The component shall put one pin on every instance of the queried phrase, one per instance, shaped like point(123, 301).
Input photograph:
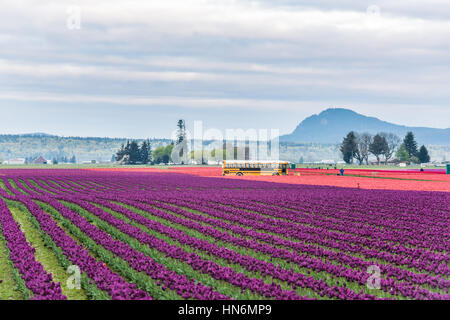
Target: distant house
point(17, 161)
point(40, 160)
point(89, 162)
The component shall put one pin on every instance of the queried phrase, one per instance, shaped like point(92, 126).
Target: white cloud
point(243, 54)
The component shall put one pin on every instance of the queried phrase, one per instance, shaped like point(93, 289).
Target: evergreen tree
point(134, 152)
point(423, 155)
point(378, 146)
point(121, 153)
point(127, 148)
point(73, 159)
point(349, 147)
point(145, 152)
point(410, 144)
point(166, 158)
point(402, 154)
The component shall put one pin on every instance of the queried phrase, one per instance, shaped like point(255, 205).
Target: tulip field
point(164, 234)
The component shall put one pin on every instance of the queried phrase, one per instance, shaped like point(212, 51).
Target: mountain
point(332, 125)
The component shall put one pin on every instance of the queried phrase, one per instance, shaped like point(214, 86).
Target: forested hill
point(50, 146)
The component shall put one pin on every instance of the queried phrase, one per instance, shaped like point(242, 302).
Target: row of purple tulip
point(37, 280)
point(334, 231)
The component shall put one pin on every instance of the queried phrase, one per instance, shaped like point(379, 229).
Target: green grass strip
point(222, 262)
point(117, 264)
point(15, 186)
point(39, 188)
point(91, 291)
point(178, 266)
point(353, 254)
point(46, 255)
point(3, 186)
point(13, 287)
point(318, 275)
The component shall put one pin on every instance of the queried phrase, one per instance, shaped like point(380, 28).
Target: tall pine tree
point(402, 154)
point(349, 147)
point(121, 153)
point(410, 144)
point(146, 152)
point(423, 155)
point(134, 152)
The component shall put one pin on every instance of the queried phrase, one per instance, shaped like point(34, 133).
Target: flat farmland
point(191, 234)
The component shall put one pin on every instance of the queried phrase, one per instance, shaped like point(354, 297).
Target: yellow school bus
point(255, 168)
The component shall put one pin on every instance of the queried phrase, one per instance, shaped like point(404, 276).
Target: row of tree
point(360, 146)
point(408, 151)
point(133, 153)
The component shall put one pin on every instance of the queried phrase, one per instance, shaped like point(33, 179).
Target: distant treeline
point(31, 146)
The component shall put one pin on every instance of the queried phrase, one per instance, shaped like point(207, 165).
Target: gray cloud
point(295, 56)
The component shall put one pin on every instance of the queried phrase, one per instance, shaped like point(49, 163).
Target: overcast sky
point(132, 68)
